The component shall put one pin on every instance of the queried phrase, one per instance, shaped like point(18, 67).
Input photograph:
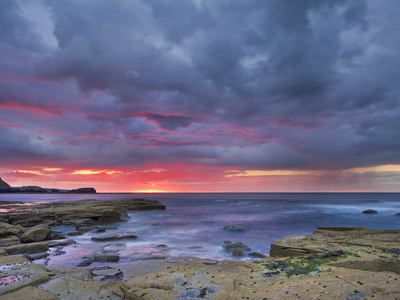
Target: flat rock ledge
point(334, 263)
point(69, 212)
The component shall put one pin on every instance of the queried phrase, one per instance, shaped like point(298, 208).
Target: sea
point(192, 224)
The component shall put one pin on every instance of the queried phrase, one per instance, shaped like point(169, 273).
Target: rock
point(236, 228)
point(81, 212)
point(72, 288)
point(56, 235)
point(77, 273)
point(9, 241)
point(74, 233)
point(191, 279)
point(79, 222)
point(397, 215)
point(325, 229)
point(62, 242)
point(106, 257)
point(30, 292)
point(36, 256)
point(36, 234)
point(237, 252)
point(370, 211)
point(13, 231)
point(83, 228)
point(3, 252)
point(18, 272)
point(237, 249)
point(8, 229)
point(104, 228)
point(105, 274)
point(283, 248)
point(322, 241)
point(3, 230)
point(27, 248)
point(114, 237)
point(87, 261)
point(88, 190)
point(257, 255)
point(114, 248)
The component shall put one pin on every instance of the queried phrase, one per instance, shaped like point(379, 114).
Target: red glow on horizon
point(173, 178)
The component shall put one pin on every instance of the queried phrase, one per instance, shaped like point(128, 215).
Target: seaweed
point(302, 265)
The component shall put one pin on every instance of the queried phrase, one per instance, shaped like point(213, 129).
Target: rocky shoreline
point(332, 263)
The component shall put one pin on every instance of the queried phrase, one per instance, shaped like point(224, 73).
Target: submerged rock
point(236, 228)
point(370, 211)
point(114, 237)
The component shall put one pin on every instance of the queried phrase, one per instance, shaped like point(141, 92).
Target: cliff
point(4, 184)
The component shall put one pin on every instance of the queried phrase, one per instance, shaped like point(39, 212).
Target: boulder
point(3, 230)
point(237, 249)
point(236, 228)
point(8, 229)
point(114, 237)
point(36, 234)
point(370, 211)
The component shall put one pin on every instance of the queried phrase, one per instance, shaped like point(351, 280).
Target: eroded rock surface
point(73, 212)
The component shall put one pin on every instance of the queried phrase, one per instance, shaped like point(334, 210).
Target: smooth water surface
point(192, 223)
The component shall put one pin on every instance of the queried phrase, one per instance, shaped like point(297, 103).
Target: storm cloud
point(235, 85)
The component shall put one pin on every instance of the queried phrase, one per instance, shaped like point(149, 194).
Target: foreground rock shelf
point(73, 212)
point(331, 263)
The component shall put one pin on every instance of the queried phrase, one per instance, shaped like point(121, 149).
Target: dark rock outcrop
point(4, 184)
point(114, 237)
point(236, 228)
point(370, 212)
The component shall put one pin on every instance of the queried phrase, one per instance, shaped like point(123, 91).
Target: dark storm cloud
point(313, 84)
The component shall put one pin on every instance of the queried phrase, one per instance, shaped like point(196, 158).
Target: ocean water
point(192, 225)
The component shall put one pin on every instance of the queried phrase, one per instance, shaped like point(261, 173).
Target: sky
point(201, 95)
